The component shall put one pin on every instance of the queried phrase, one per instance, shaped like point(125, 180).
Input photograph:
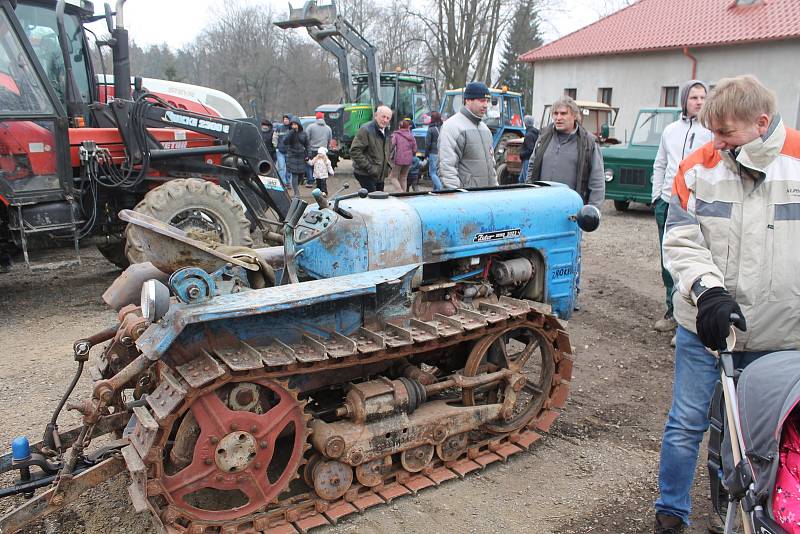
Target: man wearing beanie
point(319, 136)
point(466, 158)
point(678, 140)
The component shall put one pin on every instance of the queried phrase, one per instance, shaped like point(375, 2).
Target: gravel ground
point(594, 472)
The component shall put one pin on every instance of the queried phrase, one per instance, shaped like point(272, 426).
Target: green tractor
point(407, 94)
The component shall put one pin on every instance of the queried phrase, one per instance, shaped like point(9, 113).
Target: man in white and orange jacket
point(730, 245)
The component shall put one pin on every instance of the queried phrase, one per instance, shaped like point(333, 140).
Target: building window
point(571, 92)
point(669, 97)
point(604, 95)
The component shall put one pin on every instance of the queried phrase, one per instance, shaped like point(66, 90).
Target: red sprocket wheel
point(238, 466)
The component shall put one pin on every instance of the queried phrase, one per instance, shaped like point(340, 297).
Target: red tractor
point(71, 157)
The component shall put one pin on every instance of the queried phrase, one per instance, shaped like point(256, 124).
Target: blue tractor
point(267, 390)
point(504, 118)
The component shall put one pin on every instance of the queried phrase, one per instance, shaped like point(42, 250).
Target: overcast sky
point(177, 22)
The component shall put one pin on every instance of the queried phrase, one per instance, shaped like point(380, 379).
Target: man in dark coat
point(371, 151)
point(531, 136)
point(281, 132)
point(432, 148)
point(266, 134)
point(296, 144)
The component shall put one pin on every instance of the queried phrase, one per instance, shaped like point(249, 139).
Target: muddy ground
point(594, 472)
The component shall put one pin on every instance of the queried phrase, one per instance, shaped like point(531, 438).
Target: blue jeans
point(309, 174)
point(433, 171)
point(696, 374)
point(282, 168)
point(523, 174)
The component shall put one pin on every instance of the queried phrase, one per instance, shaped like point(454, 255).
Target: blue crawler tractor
point(393, 342)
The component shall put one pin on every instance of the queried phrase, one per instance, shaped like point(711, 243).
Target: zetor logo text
point(194, 122)
point(498, 234)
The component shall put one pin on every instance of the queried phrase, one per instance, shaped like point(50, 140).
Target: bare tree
point(607, 7)
point(463, 37)
point(245, 55)
point(404, 46)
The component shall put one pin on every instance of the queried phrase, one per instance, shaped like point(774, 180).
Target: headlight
point(154, 300)
point(609, 175)
point(588, 218)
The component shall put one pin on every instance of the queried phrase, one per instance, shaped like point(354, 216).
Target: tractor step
point(27, 229)
point(53, 265)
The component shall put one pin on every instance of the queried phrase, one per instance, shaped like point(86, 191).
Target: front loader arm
point(244, 153)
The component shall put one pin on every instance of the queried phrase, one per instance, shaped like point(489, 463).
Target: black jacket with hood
point(296, 144)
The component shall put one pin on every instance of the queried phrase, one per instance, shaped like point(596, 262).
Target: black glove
point(714, 309)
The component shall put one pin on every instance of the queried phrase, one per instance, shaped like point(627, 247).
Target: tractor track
point(304, 511)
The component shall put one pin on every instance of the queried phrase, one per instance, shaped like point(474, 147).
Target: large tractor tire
point(202, 209)
point(114, 251)
point(504, 177)
point(500, 149)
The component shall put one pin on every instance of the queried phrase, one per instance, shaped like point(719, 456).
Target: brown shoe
point(666, 324)
point(715, 524)
point(668, 524)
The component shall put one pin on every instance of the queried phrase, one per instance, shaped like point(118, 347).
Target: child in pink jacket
point(322, 168)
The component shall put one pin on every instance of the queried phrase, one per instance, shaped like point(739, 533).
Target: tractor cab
point(407, 95)
point(35, 174)
point(39, 24)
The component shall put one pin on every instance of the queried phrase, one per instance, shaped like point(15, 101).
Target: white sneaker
point(672, 341)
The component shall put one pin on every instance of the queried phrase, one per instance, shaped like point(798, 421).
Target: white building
point(640, 55)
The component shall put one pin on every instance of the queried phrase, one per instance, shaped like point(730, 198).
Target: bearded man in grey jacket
point(466, 157)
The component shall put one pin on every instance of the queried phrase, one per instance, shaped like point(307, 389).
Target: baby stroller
point(755, 451)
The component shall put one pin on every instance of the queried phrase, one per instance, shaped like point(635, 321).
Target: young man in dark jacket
point(432, 148)
point(280, 135)
point(531, 136)
point(371, 151)
point(296, 143)
point(266, 134)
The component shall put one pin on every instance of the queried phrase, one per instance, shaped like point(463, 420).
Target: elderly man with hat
point(466, 158)
point(319, 136)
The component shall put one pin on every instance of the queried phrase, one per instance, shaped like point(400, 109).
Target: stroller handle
point(730, 341)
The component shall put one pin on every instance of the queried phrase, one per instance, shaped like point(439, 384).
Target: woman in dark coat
point(296, 151)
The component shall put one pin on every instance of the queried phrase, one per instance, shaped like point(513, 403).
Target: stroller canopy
point(767, 391)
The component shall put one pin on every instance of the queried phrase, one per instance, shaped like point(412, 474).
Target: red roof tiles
point(664, 24)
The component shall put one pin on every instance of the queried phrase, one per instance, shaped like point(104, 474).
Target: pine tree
point(523, 35)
